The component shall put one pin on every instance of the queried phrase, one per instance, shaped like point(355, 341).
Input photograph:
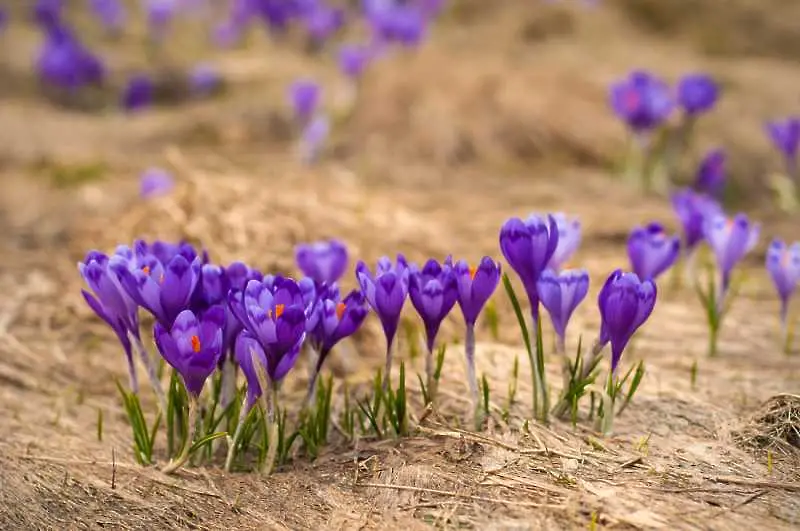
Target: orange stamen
point(340, 310)
point(279, 310)
point(146, 270)
point(472, 271)
point(196, 344)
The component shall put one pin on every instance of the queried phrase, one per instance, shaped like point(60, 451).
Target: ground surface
point(503, 113)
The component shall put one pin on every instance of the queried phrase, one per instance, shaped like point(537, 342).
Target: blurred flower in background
point(138, 93)
point(642, 100)
point(155, 182)
point(204, 80)
point(697, 94)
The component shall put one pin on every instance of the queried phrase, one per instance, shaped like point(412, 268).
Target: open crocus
point(730, 239)
point(433, 291)
point(783, 265)
point(386, 292)
point(475, 287)
point(112, 304)
point(569, 239)
point(192, 347)
point(710, 177)
point(651, 251)
point(528, 246)
point(324, 261)
point(336, 319)
point(697, 94)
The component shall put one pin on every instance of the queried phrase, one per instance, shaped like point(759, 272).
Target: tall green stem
point(174, 465)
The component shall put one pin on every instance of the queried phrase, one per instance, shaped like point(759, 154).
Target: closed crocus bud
point(569, 239)
point(561, 293)
point(730, 239)
point(785, 136)
point(642, 101)
point(354, 59)
point(652, 251)
point(783, 265)
point(476, 286)
point(138, 93)
point(710, 177)
point(697, 94)
point(433, 291)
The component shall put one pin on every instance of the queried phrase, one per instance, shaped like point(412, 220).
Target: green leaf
point(198, 444)
point(526, 338)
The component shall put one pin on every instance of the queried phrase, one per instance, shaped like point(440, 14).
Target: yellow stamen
point(340, 310)
point(472, 271)
point(196, 344)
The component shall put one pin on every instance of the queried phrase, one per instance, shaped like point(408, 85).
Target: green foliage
point(143, 436)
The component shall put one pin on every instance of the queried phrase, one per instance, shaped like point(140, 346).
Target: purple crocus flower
point(164, 252)
point(110, 13)
point(625, 304)
point(112, 304)
point(65, 63)
point(386, 292)
point(404, 24)
point(528, 247)
point(247, 348)
point(785, 135)
point(642, 101)
point(561, 293)
point(155, 182)
point(164, 289)
point(433, 291)
point(192, 346)
point(354, 59)
point(692, 210)
point(730, 239)
point(47, 13)
point(710, 177)
point(159, 16)
point(274, 314)
point(204, 80)
point(304, 98)
point(323, 261)
point(138, 93)
point(651, 251)
point(475, 286)
point(569, 239)
point(323, 21)
point(697, 94)
point(783, 265)
point(313, 137)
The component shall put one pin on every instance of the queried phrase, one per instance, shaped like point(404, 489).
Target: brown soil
point(503, 113)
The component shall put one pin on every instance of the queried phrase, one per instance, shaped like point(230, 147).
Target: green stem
point(174, 465)
point(237, 435)
point(151, 373)
point(272, 420)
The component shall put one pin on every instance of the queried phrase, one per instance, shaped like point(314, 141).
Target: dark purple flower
point(692, 210)
point(642, 100)
point(138, 93)
point(528, 247)
point(65, 63)
point(730, 239)
point(354, 59)
point(710, 177)
point(164, 289)
point(155, 182)
point(560, 294)
point(625, 304)
point(304, 97)
point(785, 135)
point(111, 13)
point(204, 80)
point(192, 347)
point(337, 319)
point(651, 251)
point(386, 291)
point(274, 313)
point(475, 286)
point(569, 239)
point(323, 261)
point(433, 291)
point(783, 265)
point(697, 93)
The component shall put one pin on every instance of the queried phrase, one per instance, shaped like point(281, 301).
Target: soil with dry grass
point(502, 113)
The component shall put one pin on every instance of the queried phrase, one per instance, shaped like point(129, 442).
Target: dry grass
point(503, 113)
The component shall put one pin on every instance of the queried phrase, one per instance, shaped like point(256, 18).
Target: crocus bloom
point(192, 346)
point(322, 22)
point(710, 177)
point(528, 247)
point(785, 135)
point(138, 93)
point(697, 94)
point(304, 98)
point(625, 304)
point(204, 80)
point(642, 101)
point(692, 210)
point(561, 293)
point(569, 239)
point(247, 348)
point(397, 23)
point(433, 291)
point(353, 59)
point(312, 140)
point(65, 62)
point(47, 13)
point(651, 251)
point(111, 13)
point(475, 286)
point(159, 15)
point(274, 314)
point(155, 182)
point(323, 261)
point(730, 239)
point(111, 303)
point(783, 265)
point(385, 291)
point(163, 289)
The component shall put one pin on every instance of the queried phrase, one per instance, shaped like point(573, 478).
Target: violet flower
point(65, 63)
point(783, 265)
point(528, 246)
point(475, 287)
point(692, 209)
point(160, 14)
point(785, 135)
point(710, 177)
point(386, 292)
point(433, 291)
point(730, 239)
point(313, 138)
point(324, 261)
point(155, 182)
point(322, 22)
point(47, 13)
point(697, 94)
point(353, 60)
point(642, 101)
point(304, 99)
point(110, 13)
point(138, 93)
point(569, 239)
point(651, 251)
point(561, 293)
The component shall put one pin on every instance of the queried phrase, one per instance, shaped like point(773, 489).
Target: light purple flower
point(155, 182)
point(561, 293)
point(651, 251)
point(569, 239)
point(783, 265)
point(730, 239)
